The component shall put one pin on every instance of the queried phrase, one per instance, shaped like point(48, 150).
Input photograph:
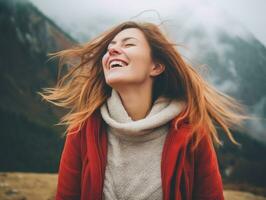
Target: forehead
point(130, 33)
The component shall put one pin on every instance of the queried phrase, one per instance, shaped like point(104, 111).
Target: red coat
point(186, 175)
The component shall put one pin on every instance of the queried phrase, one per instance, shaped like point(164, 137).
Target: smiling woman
point(142, 121)
point(129, 69)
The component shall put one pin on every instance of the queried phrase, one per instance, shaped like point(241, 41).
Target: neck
point(136, 101)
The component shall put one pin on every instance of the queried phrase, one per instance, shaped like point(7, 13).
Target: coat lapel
point(173, 164)
point(97, 152)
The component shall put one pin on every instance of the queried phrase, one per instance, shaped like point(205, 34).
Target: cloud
point(66, 12)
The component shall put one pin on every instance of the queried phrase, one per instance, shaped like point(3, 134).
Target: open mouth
point(117, 63)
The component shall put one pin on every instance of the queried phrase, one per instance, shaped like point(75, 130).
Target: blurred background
point(227, 37)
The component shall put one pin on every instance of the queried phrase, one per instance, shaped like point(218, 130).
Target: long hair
point(83, 88)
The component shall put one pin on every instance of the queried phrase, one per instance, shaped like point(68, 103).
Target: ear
point(157, 69)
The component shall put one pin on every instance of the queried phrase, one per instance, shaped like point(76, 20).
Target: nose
point(114, 50)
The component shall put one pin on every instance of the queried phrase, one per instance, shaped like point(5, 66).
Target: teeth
point(115, 62)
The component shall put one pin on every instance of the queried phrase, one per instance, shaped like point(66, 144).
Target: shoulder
point(79, 135)
point(92, 120)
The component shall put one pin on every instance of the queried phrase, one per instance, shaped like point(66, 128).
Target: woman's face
point(128, 59)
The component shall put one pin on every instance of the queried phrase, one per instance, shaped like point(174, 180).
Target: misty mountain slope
point(235, 59)
point(29, 141)
point(26, 39)
point(27, 146)
point(244, 165)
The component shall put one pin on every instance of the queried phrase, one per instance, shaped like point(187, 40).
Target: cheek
point(142, 61)
point(104, 59)
point(141, 54)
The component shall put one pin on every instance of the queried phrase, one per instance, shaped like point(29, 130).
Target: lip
point(112, 59)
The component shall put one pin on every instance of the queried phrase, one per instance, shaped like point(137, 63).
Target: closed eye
point(128, 45)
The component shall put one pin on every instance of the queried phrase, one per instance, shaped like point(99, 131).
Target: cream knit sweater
point(133, 170)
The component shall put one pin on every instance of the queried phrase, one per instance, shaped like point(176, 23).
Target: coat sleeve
point(69, 176)
point(207, 179)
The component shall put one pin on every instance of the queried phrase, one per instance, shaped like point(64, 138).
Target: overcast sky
point(250, 13)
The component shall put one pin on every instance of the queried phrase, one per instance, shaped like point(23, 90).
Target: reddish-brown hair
point(83, 88)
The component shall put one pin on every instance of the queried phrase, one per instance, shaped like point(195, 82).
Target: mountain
point(27, 37)
point(28, 140)
point(235, 59)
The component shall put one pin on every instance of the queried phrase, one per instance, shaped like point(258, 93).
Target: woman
point(142, 121)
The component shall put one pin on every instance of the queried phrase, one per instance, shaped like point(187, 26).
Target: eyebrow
point(123, 40)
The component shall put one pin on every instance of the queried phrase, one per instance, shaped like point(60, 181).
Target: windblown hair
point(83, 88)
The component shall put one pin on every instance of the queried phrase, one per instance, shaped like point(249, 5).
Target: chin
point(117, 79)
point(123, 80)
point(115, 82)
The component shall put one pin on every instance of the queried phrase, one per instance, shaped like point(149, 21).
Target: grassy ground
point(35, 186)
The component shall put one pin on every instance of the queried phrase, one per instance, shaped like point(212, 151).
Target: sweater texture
point(133, 168)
